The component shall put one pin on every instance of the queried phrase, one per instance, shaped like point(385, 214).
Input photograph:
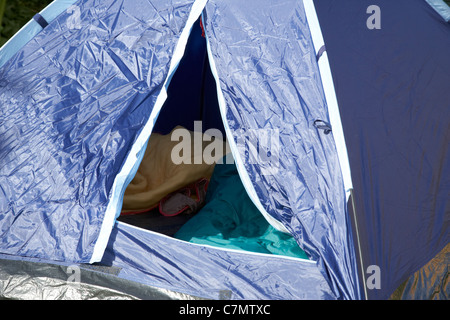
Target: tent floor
point(154, 221)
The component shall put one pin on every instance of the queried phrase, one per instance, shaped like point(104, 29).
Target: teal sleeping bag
point(229, 219)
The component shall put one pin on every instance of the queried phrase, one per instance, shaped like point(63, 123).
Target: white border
point(114, 204)
point(330, 95)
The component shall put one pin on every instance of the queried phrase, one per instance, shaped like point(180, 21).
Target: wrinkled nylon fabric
point(73, 100)
point(31, 287)
point(37, 279)
point(76, 97)
point(209, 272)
point(268, 75)
point(31, 29)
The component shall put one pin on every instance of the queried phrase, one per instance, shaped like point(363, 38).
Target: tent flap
point(269, 82)
point(210, 272)
point(74, 100)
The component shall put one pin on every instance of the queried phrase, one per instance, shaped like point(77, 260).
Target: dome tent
point(81, 96)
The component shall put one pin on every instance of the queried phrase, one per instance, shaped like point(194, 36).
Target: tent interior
point(200, 202)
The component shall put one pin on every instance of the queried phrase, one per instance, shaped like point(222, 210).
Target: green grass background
point(14, 14)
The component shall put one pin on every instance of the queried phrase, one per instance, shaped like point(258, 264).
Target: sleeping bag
point(230, 219)
point(158, 175)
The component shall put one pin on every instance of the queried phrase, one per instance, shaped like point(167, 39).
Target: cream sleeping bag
point(159, 175)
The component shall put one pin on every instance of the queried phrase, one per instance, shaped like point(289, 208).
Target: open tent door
point(260, 92)
point(264, 85)
point(230, 219)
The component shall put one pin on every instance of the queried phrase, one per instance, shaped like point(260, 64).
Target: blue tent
point(357, 92)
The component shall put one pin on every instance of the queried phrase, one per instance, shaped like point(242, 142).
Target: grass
point(14, 14)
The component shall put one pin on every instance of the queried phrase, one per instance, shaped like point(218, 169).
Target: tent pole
point(359, 244)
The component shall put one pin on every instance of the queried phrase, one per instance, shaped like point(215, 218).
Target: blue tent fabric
point(73, 100)
point(392, 86)
point(269, 77)
point(209, 272)
point(79, 98)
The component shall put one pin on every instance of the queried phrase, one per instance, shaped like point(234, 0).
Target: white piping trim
point(113, 209)
point(440, 7)
point(17, 34)
point(330, 95)
point(246, 181)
